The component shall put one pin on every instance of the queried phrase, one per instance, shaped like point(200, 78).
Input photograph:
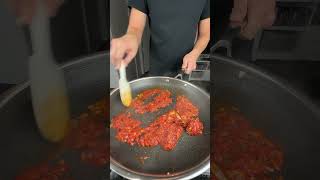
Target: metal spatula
point(47, 83)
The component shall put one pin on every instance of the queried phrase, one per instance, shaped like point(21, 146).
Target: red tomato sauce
point(160, 99)
point(165, 130)
point(194, 127)
point(87, 136)
point(186, 110)
point(46, 172)
point(128, 129)
point(96, 153)
point(241, 151)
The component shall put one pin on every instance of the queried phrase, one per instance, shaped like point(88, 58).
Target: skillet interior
point(22, 145)
point(284, 115)
point(189, 152)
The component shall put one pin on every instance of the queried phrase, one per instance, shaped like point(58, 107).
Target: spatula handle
point(40, 30)
point(122, 71)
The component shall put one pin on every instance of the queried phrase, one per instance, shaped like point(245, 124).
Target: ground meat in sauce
point(186, 110)
point(85, 132)
point(160, 99)
point(241, 151)
point(128, 129)
point(165, 130)
point(170, 136)
point(149, 138)
point(88, 137)
point(124, 122)
point(195, 127)
point(96, 154)
point(46, 172)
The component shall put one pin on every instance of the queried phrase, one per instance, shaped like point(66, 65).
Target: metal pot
point(285, 115)
point(23, 146)
point(191, 156)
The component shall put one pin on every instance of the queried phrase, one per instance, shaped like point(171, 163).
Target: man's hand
point(25, 9)
point(190, 62)
point(124, 49)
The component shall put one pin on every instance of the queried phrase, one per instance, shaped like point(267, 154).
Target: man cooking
point(180, 32)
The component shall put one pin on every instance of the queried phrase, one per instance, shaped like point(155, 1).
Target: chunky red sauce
point(160, 99)
point(88, 137)
point(128, 128)
point(58, 171)
point(194, 127)
point(96, 153)
point(165, 130)
point(186, 110)
point(241, 151)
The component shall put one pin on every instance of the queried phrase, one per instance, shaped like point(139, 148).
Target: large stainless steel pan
point(285, 115)
point(21, 143)
point(190, 158)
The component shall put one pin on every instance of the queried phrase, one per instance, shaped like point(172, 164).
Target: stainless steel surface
point(86, 83)
point(283, 114)
point(190, 158)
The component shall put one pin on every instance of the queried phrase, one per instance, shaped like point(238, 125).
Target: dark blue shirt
point(173, 28)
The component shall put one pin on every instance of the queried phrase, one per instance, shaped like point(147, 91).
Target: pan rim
point(275, 79)
point(7, 95)
point(185, 174)
point(165, 77)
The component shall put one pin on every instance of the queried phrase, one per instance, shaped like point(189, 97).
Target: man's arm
point(203, 36)
point(137, 23)
point(189, 60)
point(125, 48)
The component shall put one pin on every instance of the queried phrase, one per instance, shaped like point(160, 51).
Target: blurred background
point(289, 48)
point(80, 28)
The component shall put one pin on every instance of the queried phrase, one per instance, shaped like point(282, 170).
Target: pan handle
point(226, 40)
point(179, 76)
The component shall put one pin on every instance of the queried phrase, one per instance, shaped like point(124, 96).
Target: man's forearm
point(201, 43)
point(203, 37)
point(137, 23)
point(135, 32)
